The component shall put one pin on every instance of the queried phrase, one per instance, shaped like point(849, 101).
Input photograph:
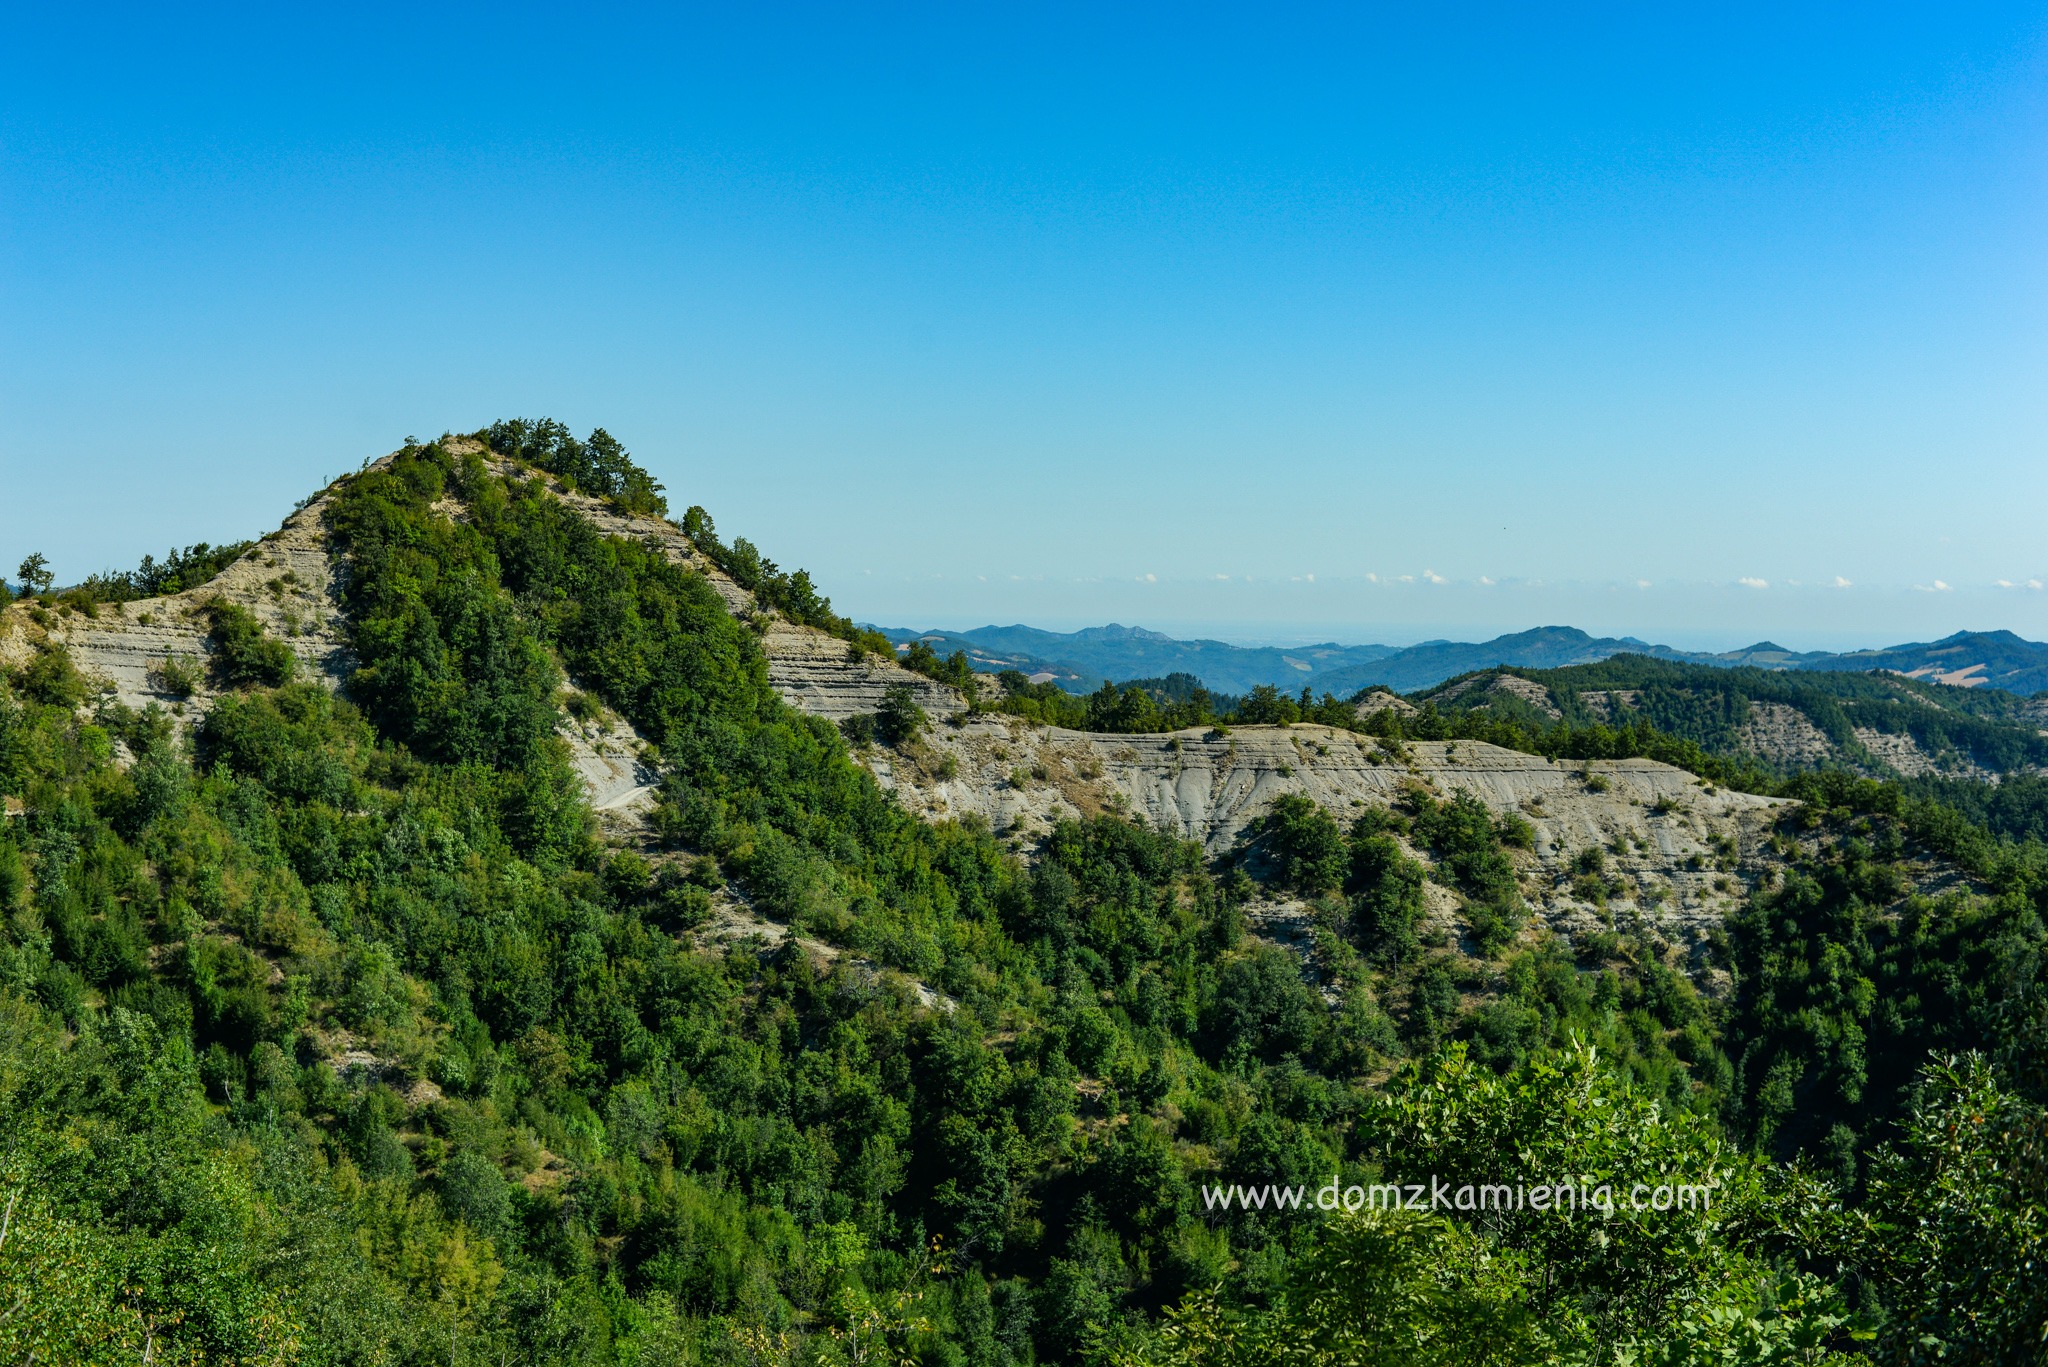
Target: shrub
point(51, 679)
point(242, 654)
point(1387, 897)
point(178, 676)
point(1305, 846)
point(900, 720)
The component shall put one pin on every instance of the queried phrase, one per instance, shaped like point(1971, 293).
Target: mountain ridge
point(1083, 660)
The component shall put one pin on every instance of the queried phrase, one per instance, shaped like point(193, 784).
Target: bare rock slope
point(287, 580)
point(1674, 849)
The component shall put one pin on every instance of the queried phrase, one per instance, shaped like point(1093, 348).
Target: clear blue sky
point(1067, 315)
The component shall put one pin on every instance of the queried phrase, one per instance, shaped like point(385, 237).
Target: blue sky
point(1329, 322)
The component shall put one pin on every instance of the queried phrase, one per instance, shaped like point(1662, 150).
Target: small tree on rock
point(35, 575)
point(899, 719)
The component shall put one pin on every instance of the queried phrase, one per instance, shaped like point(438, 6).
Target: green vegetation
point(34, 574)
point(1709, 707)
point(177, 675)
point(599, 466)
point(332, 1032)
point(179, 570)
point(1154, 705)
point(2015, 808)
point(242, 654)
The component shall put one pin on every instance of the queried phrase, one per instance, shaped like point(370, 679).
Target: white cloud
point(1433, 577)
point(2005, 583)
point(1371, 578)
point(1487, 580)
point(1749, 583)
point(1148, 579)
point(1404, 578)
point(1642, 583)
point(1938, 586)
point(1224, 578)
point(1840, 582)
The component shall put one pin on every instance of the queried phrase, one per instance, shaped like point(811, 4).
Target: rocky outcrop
point(825, 677)
point(287, 581)
point(1672, 845)
point(1905, 756)
point(1380, 700)
point(1779, 733)
point(1608, 704)
point(1529, 691)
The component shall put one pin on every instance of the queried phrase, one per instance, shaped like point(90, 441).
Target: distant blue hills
point(1082, 661)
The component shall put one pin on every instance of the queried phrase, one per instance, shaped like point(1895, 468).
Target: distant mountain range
point(1082, 660)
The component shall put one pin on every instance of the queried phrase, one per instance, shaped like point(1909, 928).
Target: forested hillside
point(336, 1027)
point(1985, 750)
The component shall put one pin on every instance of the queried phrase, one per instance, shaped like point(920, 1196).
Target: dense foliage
point(331, 1031)
point(598, 466)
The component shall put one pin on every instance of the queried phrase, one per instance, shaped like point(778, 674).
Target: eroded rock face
point(1669, 841)
point(287, 581)
point(1529, 691)
point(818, 674)
point(1380, 700)
point(1658, 827)
point(1905, 756)
point(1674, 848)
point(1781, 734)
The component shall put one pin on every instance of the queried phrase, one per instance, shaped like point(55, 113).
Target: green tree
point(243, 653)
point(1957, 1222)
point(1305, 846)
point(899, 720)
point(34, 574)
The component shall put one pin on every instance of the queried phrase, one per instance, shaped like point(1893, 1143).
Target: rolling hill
point(1082, 660)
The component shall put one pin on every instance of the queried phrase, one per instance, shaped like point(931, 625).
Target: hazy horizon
point(1255, 634)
